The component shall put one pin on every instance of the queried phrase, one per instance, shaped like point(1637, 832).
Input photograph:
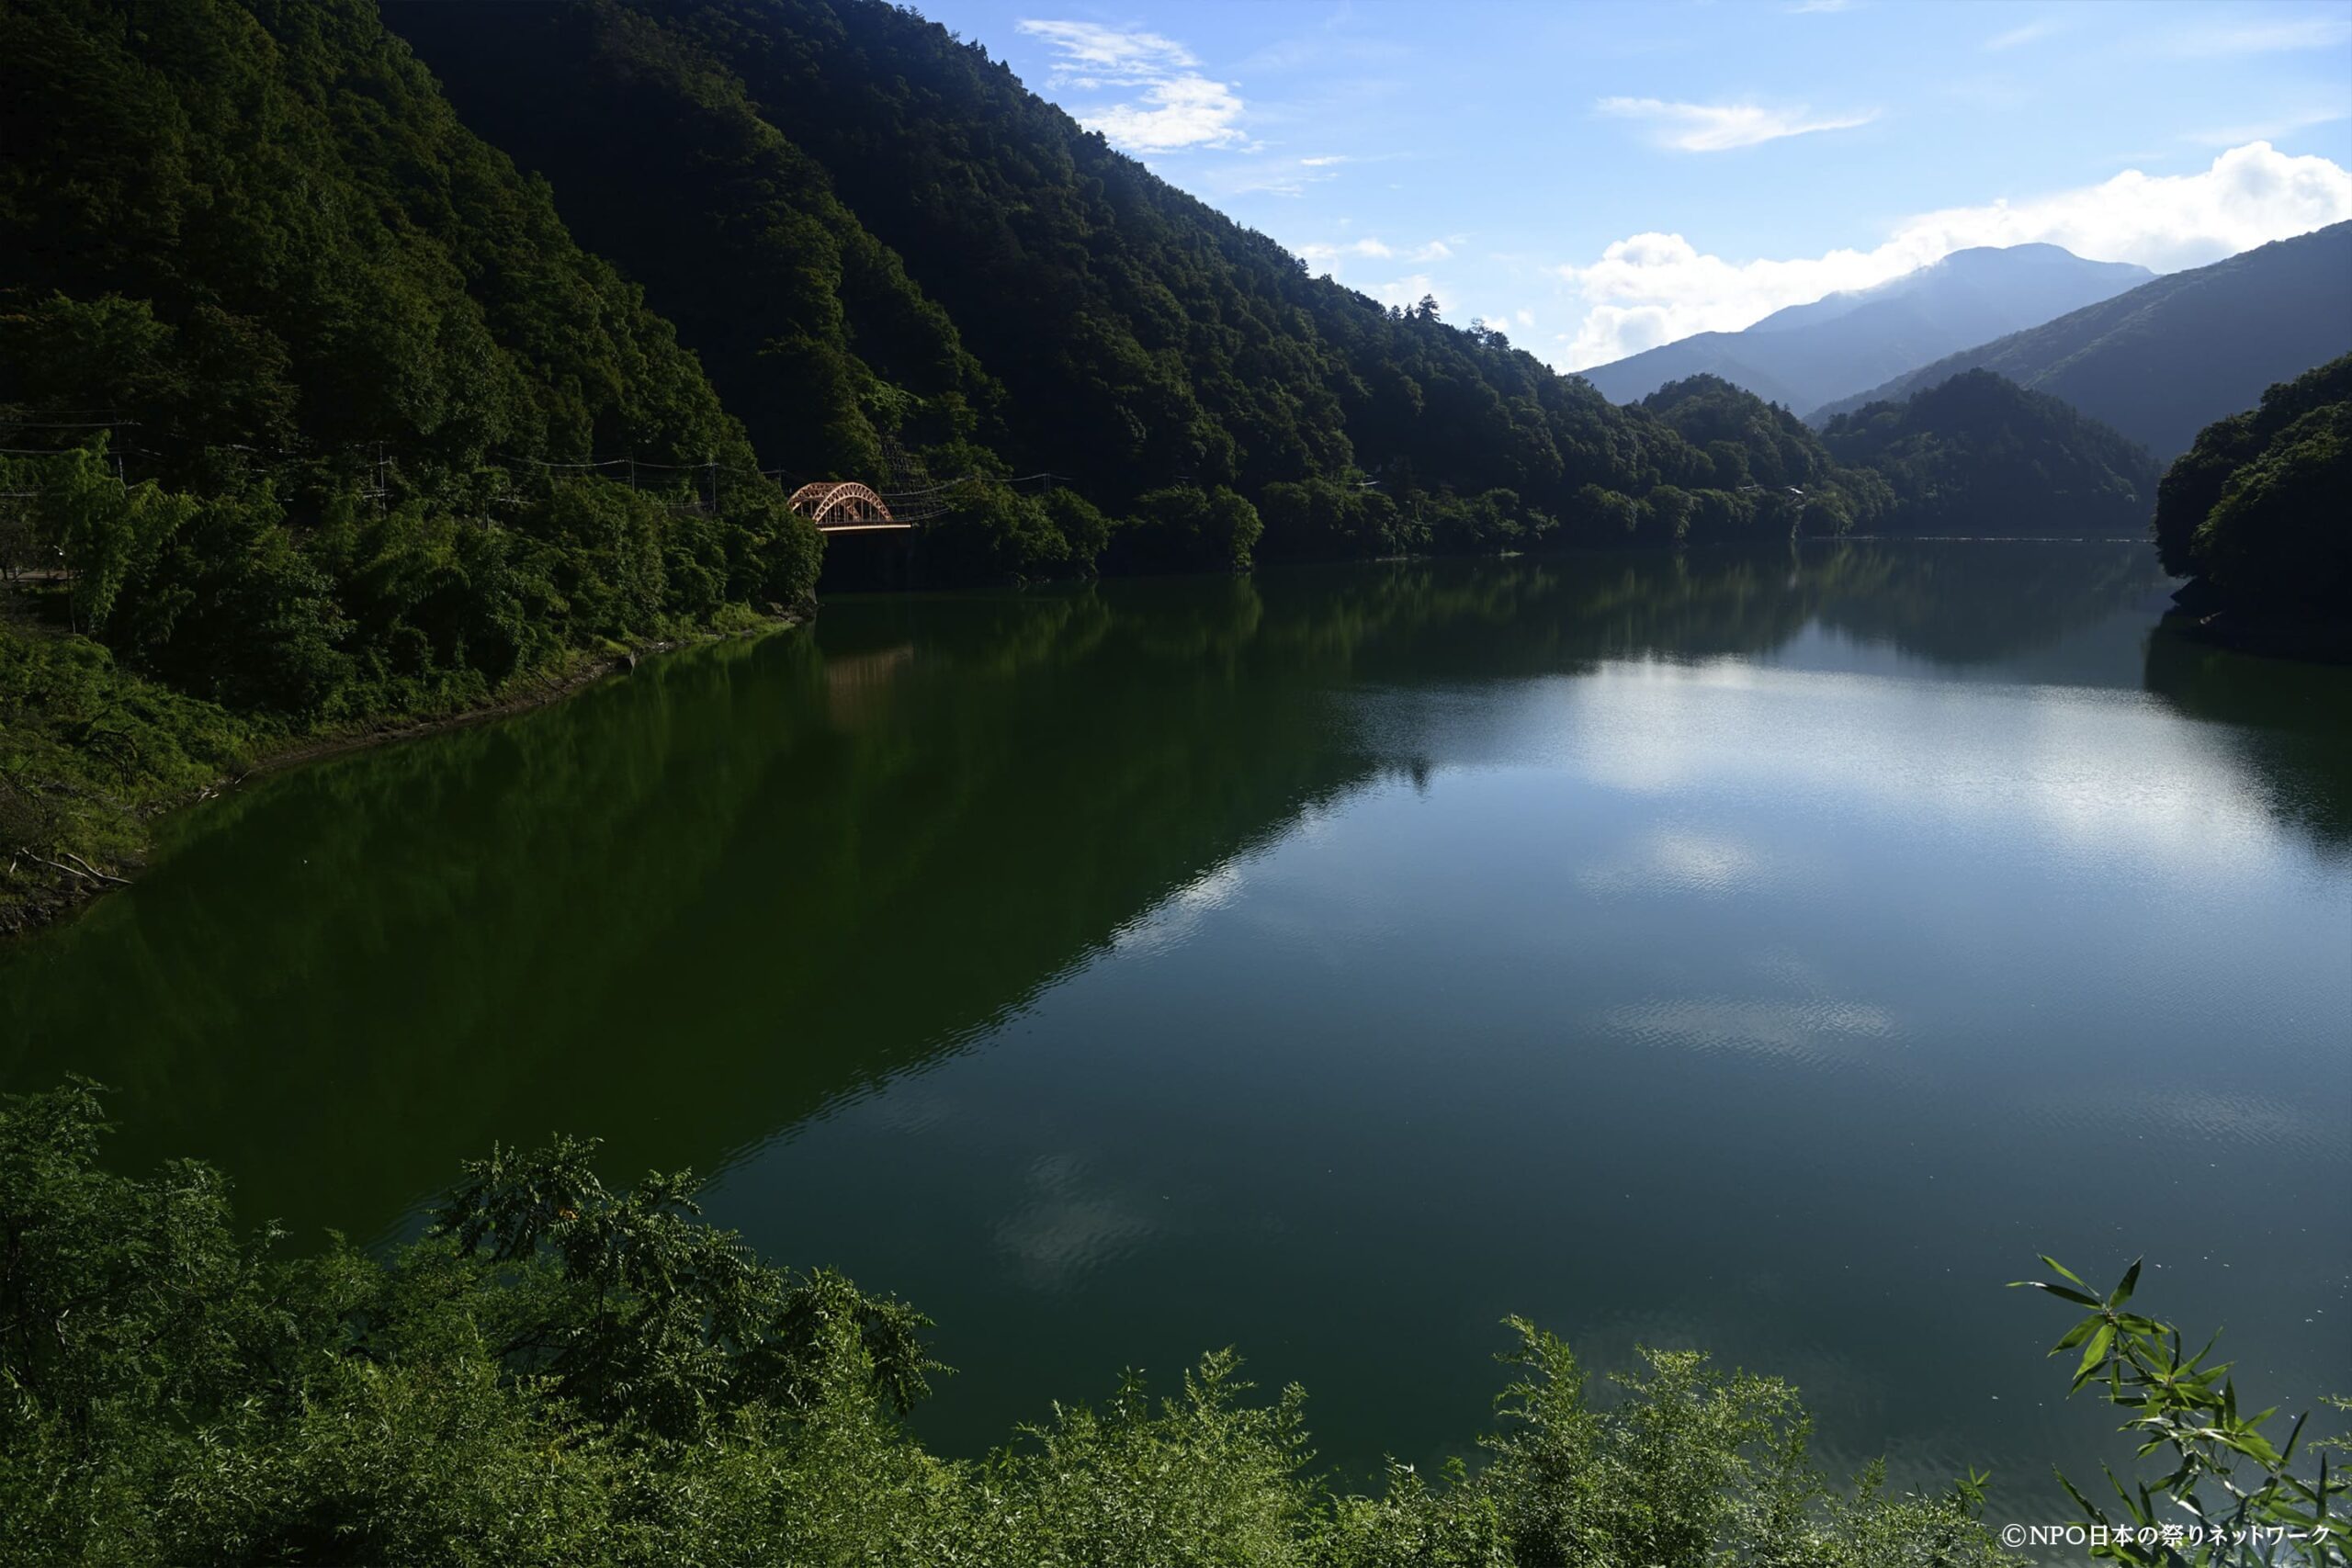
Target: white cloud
point(2026, 34)
point(1803, 6)
point(1407, 292)
point(1653, 289)
point(1179, 107)
point(1324, 163)
point(1716, 127)
point(1190, 111)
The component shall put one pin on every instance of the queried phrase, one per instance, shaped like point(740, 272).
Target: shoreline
point(75, 890)
point(554, 689)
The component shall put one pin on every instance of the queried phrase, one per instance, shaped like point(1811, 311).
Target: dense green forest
point(2163, 360)
point(564, 1374)
point(1145, 345)
point(1979, 454)
point(2255, 511)
point(298, 381)
point(338, 354)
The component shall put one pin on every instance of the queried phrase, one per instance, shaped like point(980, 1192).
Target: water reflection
point(1640, 943)
point(697, 904)
point(2287, 721)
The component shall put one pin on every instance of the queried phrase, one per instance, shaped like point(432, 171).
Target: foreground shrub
point(562, 1374)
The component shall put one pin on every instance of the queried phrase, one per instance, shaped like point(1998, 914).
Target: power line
point(919, 504)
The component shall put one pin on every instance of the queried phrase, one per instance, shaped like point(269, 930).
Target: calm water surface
point(1766, 954)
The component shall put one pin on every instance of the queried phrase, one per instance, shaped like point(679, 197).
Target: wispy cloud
point(2269, 129)
point(1373, 247)
point(2016, 37)
point(2270, 36)
point(1094, 54)
point(1805, 6)
point(1653, 289)
point(1178, 108)
point(1717, 128)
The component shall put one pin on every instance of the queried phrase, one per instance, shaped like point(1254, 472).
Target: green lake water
point(1769, 953)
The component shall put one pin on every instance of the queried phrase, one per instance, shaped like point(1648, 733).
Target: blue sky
point(1596, 178)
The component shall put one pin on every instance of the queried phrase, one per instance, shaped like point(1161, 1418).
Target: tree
point(1183, 528)
point(2253, 508)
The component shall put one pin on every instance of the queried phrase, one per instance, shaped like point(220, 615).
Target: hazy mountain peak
point(2173, 353)
point(1831, 347)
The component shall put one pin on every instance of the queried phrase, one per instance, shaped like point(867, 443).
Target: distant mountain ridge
point(1807, 354)
point(2160, 362)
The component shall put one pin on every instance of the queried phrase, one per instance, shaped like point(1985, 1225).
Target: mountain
point(1980, 455)
point(1807, 354)
point(1146, 349)
point(2169, 357)
point(2255, 512)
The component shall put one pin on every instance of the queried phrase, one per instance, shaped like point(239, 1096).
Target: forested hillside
point(1147, 347)
point(296, 377)
point(1980, 455)
point(2255, 512)
point(253, 248)
point(2165, 360)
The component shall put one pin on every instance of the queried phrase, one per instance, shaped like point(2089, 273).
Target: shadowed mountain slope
point(1980, 455)
point(2168, 359)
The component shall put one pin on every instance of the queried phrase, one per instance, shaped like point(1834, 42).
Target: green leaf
point(2080, 1501)
point(2078, 1297)
point(2075, 1335)
point(2123, 1291)
point(2062, 1268)
point(2093, 1355)
point(2287, 1454)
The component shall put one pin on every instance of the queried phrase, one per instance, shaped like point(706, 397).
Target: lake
point(1762, 952)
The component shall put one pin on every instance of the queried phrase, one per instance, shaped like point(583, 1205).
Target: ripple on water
point(1069, 1225)
point(1815, 1030)
point(1679, 861)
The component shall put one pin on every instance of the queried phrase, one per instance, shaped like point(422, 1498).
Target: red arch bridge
point(844, 506)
